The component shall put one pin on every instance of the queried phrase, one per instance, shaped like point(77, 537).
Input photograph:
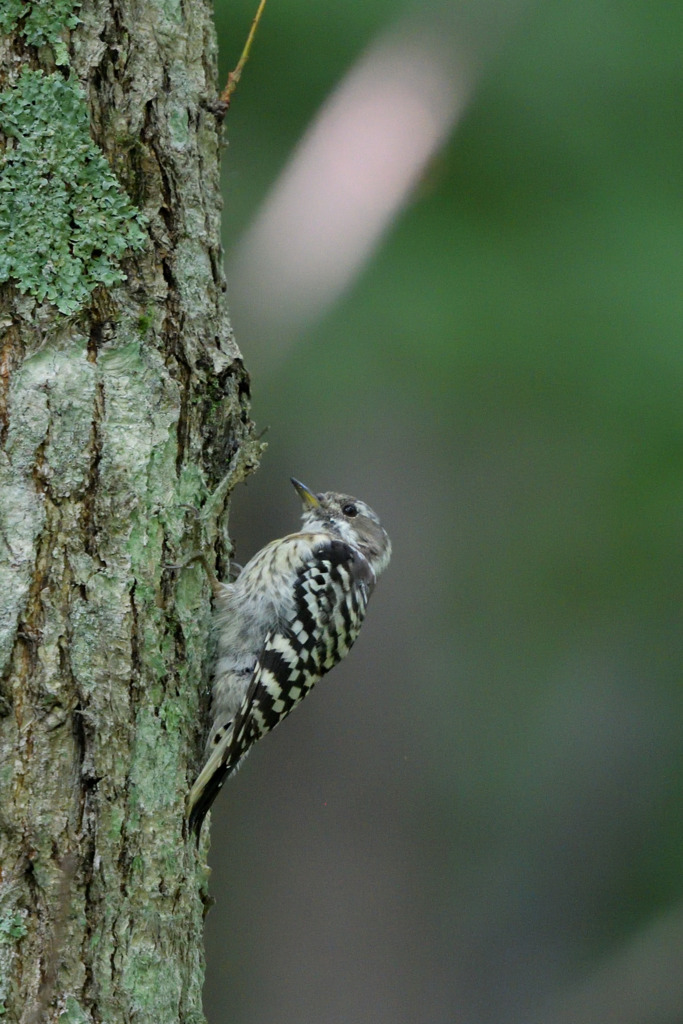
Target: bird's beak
point(308, 497)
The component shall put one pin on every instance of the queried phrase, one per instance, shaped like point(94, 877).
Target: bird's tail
point(207, 787)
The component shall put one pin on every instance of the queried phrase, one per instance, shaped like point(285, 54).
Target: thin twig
point(234, 76)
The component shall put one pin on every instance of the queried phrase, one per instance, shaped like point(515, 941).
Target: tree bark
point(124, 426)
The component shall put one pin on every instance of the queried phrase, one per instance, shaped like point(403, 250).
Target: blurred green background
point(478, 817)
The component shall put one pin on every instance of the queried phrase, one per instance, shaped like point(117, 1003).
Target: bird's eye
point(350, 510)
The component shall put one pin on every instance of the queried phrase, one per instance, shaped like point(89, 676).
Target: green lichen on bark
point(73, 1013)
point(38, 21)
point(64, 219)
point(12, 930)
point(117, 427)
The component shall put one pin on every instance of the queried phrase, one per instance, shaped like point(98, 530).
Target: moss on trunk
point(123, 406)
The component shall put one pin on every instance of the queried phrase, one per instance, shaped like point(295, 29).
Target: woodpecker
point(293, 612)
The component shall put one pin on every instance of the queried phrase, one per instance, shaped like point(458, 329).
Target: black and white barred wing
point(331, 596)
point(331, 593)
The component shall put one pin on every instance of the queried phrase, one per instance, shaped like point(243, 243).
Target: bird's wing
point(331, 593)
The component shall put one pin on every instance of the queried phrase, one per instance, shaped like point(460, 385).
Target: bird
point(291, 615)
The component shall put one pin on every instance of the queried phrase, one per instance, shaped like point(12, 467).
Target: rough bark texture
point(119, 418)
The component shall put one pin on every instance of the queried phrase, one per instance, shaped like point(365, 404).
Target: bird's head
point(349, 519)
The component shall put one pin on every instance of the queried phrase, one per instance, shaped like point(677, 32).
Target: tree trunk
point(123, 427)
